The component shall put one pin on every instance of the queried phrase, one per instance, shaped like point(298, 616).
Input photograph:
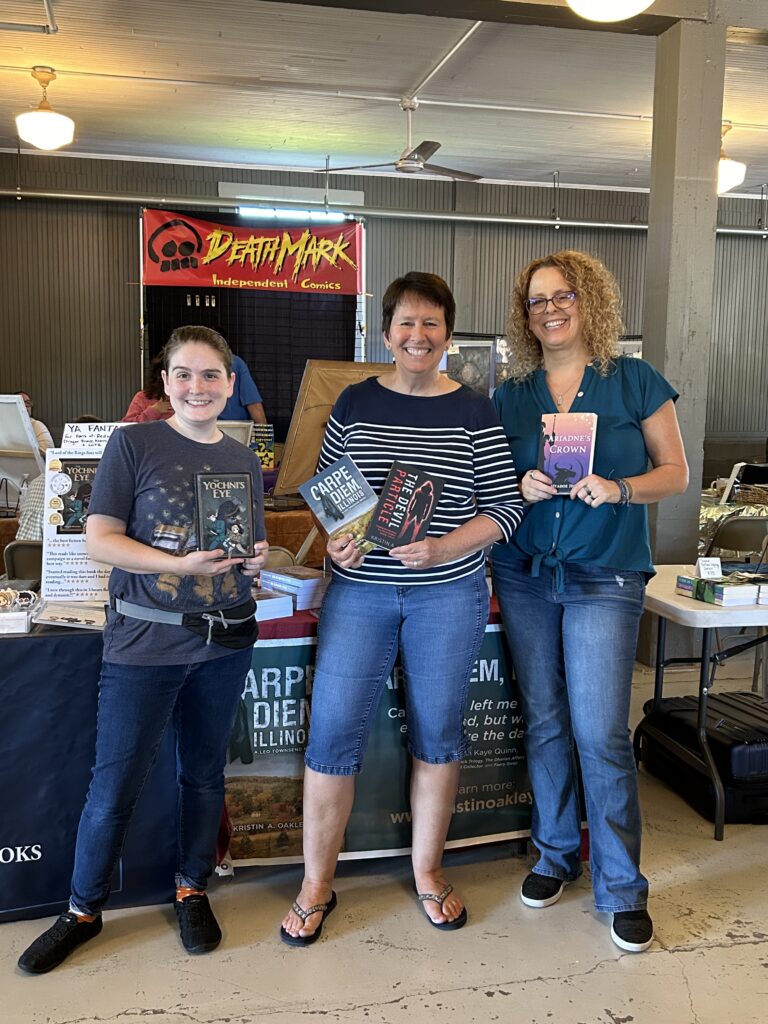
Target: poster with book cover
point(567, 447)
point(69, 575)
point(224, 506)
point(341, 500)
point(405, 508)
point(72, 486)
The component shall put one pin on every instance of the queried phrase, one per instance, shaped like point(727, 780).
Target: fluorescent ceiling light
point(609, 10)
point(316, 216)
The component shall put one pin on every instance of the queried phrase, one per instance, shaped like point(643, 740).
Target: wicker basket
point(751, 494)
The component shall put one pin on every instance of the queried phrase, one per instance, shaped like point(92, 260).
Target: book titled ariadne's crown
point(567, 447)
point(341, 500)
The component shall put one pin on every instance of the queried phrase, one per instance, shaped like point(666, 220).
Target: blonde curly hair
point(599, 305)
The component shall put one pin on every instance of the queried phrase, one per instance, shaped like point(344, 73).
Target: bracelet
point(625, 490)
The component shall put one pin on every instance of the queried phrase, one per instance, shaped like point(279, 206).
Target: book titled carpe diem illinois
point(567, 447)
point(341, 500)
point(405, 508)
point(225, 513)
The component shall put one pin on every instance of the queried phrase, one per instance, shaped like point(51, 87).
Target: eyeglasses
point(560, 300)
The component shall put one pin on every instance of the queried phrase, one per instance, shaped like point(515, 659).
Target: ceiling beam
point(548, 13)
point(747, 15)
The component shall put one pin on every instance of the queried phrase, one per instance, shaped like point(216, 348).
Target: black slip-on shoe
point(541, 890)
point(632, 930)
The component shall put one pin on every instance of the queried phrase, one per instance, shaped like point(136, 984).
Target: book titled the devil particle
point(341, 500)
point(405, 508)
point(224, 513)
point(567, 447)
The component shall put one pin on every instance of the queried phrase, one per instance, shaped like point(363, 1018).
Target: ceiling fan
point(413, 159)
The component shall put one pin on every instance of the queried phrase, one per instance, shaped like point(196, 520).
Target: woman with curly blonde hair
point(571, 582)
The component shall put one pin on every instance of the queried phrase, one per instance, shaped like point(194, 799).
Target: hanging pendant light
point(43, 127)
point(609, 10)
point(730, 173)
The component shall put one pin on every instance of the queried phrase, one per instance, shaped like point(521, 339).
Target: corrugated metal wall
point(69, 294)
point(70, 289)
point(738, 390)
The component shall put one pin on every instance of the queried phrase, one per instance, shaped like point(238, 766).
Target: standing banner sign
point(68, 573)
point(265, 769)
point(190, 253)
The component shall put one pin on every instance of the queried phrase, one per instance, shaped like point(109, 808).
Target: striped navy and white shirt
point(455, 436)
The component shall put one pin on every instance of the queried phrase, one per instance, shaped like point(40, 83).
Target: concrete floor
point(380, 962)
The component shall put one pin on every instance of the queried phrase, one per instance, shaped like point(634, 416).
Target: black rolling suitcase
point(737, 732)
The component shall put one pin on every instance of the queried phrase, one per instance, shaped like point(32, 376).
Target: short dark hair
point(426, 286)
point(202, 336)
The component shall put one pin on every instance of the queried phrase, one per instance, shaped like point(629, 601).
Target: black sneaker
point(54, 946)
point(541, 890)
point(632, 930)
point(200, 930)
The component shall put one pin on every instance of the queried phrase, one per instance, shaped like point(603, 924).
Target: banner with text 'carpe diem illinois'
point(265, 770)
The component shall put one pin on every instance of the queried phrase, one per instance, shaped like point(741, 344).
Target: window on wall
point(274, 333)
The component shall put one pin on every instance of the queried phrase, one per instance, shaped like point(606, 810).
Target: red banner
point(180, 250)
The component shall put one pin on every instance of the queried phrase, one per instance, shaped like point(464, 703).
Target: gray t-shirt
point(146, 479)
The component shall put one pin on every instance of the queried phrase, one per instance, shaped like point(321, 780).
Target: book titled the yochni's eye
point(405, 507)
point(341, 500)
point(567, 447)
point(224, 513)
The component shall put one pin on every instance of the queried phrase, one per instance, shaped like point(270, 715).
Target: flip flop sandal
point(444, 926)
point(307, 940)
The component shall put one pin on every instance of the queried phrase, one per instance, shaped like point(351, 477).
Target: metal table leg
point(706, 677)
point(661, 642)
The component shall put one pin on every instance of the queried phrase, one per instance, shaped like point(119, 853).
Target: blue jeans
point(136, 703)
point(437, 628)
point(573, 649)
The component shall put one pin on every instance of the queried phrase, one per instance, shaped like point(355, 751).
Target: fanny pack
point(235, 628)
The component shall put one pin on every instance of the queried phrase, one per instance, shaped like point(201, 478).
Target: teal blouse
point(560, 530)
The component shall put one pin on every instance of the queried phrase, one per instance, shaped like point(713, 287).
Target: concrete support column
point(680, 260)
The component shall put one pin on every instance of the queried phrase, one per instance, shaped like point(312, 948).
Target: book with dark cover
point(224, 513)
point(72, 487)
point(405, 508)
point(263, 444)
point(567, 447)
point(341, 501)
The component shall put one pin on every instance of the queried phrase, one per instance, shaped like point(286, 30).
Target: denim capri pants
point(437, 628)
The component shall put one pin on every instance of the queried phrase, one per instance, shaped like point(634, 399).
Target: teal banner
point(264, 773)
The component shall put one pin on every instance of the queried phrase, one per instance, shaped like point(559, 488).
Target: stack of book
point(271, 604)
point(306, 586)
point(728, 592)
point(689, 586)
